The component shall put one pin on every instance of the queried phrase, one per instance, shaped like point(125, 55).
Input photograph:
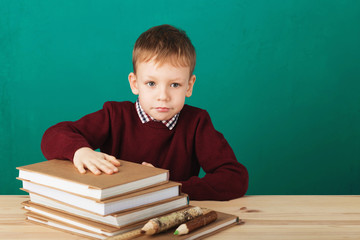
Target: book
point(62, 175)
point(108, 206)
point(223, 222)
point(77, 222)
point(43, 221)
point(39, 203)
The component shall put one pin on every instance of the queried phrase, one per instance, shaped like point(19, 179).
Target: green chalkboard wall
point(280, 79)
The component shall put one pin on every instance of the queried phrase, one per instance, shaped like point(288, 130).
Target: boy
point(158, 130)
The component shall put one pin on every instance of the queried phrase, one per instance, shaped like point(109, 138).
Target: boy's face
point(161, 89)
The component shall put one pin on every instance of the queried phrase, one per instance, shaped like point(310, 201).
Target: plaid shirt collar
point(144, 117)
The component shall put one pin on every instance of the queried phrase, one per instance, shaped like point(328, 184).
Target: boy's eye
point(175, 85)
point(150, 84)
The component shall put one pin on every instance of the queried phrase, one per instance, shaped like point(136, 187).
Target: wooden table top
point(265, 217)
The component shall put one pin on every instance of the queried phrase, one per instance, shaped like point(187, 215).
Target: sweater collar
point(144, 117)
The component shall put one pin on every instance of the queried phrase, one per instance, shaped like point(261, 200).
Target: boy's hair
point(165, 43)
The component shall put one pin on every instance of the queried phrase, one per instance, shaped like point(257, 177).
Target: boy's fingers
point(112, 160)
point(93, 168)
point(147, 164)
point(105, 166)
point(80, 168)
point(116, 162)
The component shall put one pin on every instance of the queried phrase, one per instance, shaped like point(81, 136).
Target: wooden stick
point(163, 223)
point(196, 223)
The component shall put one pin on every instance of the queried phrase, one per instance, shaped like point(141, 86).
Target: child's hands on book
point(96, 162)
point(147, 164)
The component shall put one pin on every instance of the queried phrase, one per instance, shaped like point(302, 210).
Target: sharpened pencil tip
point(176, 232)
point(142, 231)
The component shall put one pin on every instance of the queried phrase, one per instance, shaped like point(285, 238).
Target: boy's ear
point(133, 83)
point(190, 86)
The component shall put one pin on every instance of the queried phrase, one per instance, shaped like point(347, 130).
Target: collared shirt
point(144, 117)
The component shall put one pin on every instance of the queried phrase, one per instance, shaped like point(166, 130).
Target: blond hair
point(165, 44)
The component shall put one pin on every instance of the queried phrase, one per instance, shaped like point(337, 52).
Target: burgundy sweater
point(193, 143)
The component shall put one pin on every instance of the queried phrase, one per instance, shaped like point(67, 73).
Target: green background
point(280, 79)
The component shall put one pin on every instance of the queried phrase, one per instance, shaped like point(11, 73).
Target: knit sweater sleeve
point(225, 177)
point(63, 139)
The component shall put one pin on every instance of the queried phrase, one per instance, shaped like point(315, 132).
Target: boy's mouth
point(162, 109)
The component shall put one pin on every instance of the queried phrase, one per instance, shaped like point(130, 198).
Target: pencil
point(196, 223)
point(163, 223)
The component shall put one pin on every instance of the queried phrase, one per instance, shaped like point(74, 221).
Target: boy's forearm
point(63, 139)
point(59, 142)
point(221, 186)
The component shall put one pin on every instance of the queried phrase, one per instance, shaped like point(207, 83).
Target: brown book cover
point(112, 205)
point(57, 225)
point(223, 222)
point(62, 174)
point(117, 220)
point(77, 221)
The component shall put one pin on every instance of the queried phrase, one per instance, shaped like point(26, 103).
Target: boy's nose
point(163, 95)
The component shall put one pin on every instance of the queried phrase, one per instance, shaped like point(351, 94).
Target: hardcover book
point(108, 206)
point(223, 222)
point(62, 175)
point(39, 204)
point(69, 228)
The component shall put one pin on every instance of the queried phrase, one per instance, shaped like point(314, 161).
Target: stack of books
point(98, 206)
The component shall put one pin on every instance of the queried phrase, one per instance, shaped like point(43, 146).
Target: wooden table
point(265, 217)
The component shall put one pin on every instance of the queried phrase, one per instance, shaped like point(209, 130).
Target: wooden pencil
point(166, 222)
point(196, 223)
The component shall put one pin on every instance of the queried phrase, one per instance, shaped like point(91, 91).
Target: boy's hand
point(147, 164)
point(96, 162)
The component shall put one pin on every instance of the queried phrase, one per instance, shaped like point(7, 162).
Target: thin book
point(223, 222)
point(58, 225)
point(81, 223)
